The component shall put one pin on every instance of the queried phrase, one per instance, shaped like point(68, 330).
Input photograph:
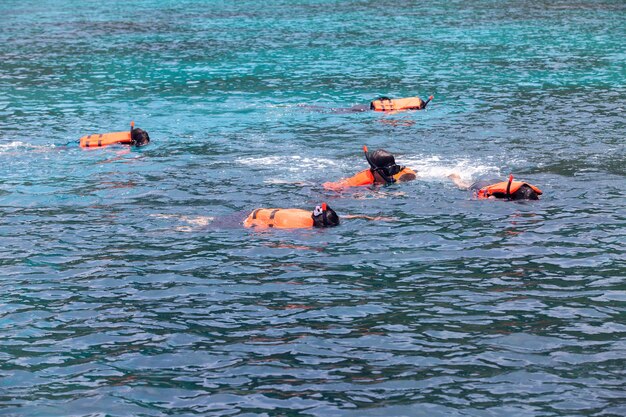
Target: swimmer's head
point(384, 163)
point(324, 216)
point(139, 137)
point(525, 192)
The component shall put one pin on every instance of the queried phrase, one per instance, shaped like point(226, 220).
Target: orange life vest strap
point(272, 215)
point(270, 222)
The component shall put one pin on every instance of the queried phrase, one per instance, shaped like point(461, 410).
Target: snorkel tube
point(324, 217)
point(508, 187)
point(132, 127)
point(379, 170)
point(427, 101)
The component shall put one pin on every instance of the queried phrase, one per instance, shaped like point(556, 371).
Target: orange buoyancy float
point(406, 174)
point(366, 177)
point(499, 190)
point(279, 218)
point(105, 139)
point(388, 104)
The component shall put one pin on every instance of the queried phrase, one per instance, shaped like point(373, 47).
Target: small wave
point(18, 145)
point(434, 167)
point(294, 163)
point(428, 167)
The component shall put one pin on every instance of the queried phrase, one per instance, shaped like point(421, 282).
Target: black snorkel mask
point(386, 172)
point(138, 137)
point(320, 216)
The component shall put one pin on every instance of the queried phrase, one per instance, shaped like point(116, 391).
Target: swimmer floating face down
point(503, 190)
point(133, 137)
point(383, 170)
point(262, 218)
point(509, 190)
point(399, 104)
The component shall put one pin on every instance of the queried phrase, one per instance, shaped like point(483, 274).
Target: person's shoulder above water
point(383, 170)
point(132, 137)
point(290, 218)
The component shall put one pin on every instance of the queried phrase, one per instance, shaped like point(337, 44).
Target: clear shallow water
point(114, 303)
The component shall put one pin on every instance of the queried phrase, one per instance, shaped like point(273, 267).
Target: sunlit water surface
point(118, 299)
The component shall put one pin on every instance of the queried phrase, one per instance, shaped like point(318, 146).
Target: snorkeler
point(322, 216)
point(399, 104)
point(507, 190)
point(386, 104)
point(270, 218)
point(383, 170)
point(132, 137)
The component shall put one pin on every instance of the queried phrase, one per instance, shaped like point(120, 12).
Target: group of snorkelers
point(383, 170)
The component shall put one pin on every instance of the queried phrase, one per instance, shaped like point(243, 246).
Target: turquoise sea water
point(118, 299)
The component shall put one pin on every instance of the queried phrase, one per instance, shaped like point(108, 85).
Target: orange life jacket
point(498, 190)
point(409, 103)
point(105, 139)
point(365, 177)
point(279, 218)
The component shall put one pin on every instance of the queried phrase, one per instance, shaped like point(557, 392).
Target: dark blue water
point(120, 297)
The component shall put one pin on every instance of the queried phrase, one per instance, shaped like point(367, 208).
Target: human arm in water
point(456, 179)
point(376, 218)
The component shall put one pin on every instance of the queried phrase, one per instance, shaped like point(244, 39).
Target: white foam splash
point(19, 145)
point(435, 168)
point(428, 167)
point(11, 145)
point(294, 163)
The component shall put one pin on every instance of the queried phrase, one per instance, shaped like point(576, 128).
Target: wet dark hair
point(381, 158)
point(139, 137)
point(385, 162)
point(327, 218)
point(524, 192)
